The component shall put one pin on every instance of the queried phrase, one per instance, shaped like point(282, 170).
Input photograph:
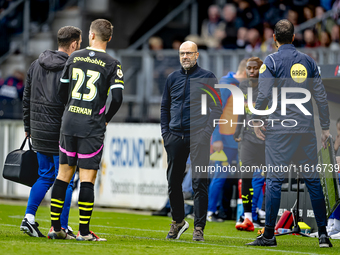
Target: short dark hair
point(67, 35)
point(284, 31)
point(102, 28)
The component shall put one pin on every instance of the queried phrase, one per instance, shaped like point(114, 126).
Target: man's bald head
point(188, 46)
point(188, 54)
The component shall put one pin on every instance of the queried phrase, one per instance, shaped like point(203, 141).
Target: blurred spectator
point(176, 42)
point(336, 11)
point(11, 91)
point(325, 40)
point(155, 43)
point(232, 24)
point(212, 30)
point(13, 86)
point(335, 34)
point(310, 39)
point(308, 12)
point(242, 37)
point(163, 65)
point(293, 17)
point(254, 39)
point(249, 14)
point(323, 25)
point(268, 41)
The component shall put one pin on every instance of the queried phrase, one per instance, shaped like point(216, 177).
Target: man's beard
point(188, 65)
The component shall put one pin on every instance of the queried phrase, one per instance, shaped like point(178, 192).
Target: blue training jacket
point(289, 68)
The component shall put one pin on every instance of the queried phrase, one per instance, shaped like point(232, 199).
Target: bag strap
point(24, 142)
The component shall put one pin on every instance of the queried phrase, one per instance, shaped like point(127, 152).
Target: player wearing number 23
point(88, 77)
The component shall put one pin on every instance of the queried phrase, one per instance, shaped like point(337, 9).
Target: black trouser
point(252, 155)
point(178, 150)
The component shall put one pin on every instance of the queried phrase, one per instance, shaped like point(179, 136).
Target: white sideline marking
point(213, 244)
point(182, 241)
point(165, 231)
point(142, 229)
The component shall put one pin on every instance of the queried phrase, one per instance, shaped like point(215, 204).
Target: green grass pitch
point(131, 233)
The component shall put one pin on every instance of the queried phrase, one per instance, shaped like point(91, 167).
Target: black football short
point(84, 152)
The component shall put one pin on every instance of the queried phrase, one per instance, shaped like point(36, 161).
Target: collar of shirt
point(287, 47)
point(190, 71)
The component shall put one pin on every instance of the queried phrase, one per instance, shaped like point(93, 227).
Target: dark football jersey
point(87, 79)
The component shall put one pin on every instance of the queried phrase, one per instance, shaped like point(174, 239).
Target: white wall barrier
point(133, 169)
point(11, 137)
point(133, 172)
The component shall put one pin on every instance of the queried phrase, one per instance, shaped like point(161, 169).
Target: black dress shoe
point(262, 241)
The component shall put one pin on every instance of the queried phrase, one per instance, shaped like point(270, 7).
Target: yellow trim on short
point(55, 205)
point(57, 201)
point(85, 209)
point(85, 203)
point(84, 217)
point(54, 213)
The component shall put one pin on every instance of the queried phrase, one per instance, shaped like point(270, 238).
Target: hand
point(218, 146)
point(324, 136)
point(237, 139)
point(27, 135)
point(105, 123)
point(257, 130)
point(236, 136)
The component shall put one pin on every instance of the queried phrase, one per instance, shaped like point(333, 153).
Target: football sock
point(85, 203)
point(57, 203)
point(30, 218)
point(210, 213)
point(247, 194)
point(248, 215)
